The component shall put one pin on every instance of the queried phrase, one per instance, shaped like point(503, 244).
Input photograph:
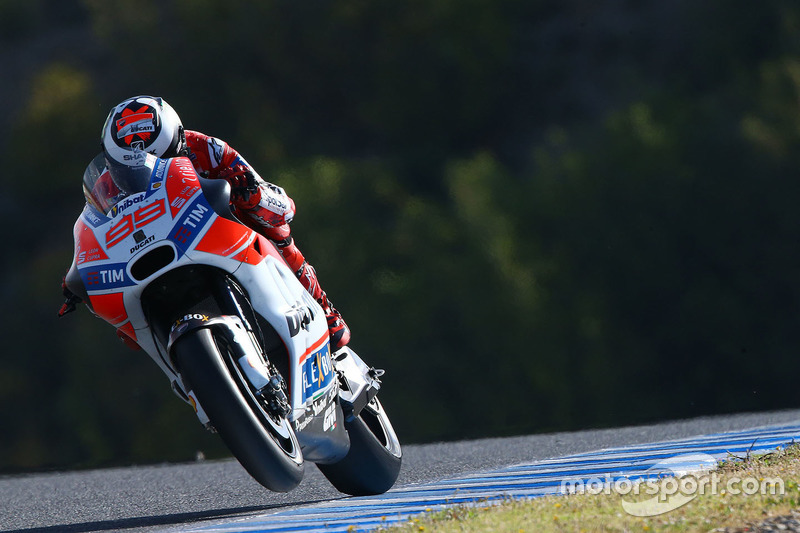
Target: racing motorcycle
point(160, 256)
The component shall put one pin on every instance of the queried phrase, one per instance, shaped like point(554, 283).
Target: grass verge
point(728, 508)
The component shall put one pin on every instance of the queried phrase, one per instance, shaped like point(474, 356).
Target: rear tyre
point(264, 444)
point(373, 462)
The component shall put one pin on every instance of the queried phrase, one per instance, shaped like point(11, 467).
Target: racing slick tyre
point(264, 444)
point(373, 462)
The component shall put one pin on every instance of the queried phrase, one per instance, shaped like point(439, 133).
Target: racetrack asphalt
point(159, 497)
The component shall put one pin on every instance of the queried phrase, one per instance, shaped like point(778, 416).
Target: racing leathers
point(268, 210)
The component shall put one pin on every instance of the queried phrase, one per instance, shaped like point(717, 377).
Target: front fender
point(232, 328)
point(187, 324)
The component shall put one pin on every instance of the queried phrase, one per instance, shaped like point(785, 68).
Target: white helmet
point(146, 124)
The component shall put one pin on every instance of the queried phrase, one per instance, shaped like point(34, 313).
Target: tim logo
point(111, 277)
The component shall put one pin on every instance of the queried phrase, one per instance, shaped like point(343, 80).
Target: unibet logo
point(125, 204)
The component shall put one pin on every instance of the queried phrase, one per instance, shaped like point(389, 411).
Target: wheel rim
point(378, 424)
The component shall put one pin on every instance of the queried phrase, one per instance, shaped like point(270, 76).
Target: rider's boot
point(339, 332)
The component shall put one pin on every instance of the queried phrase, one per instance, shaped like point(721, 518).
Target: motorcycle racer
point(147, 124)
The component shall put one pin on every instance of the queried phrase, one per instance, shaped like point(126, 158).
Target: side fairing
point(299, 320)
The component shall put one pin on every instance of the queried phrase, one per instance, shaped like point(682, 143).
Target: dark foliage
point(534, 215)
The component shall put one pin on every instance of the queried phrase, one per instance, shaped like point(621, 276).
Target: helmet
point(142, 124)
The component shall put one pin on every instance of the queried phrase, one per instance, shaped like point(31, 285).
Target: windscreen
point(105, 183)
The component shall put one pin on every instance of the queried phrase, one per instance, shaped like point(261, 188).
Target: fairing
point(166, 222)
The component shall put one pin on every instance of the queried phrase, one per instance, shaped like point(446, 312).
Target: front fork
point(359, 383)
point(267, 383)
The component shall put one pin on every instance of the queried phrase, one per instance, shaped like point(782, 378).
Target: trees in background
point(534, 215)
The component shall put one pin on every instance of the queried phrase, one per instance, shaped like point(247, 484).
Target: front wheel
point(264, 444)
point(373, 462)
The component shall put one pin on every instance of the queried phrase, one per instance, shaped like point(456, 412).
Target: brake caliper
point(274, 395)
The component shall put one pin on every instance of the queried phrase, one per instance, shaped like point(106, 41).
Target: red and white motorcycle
point(217, 308)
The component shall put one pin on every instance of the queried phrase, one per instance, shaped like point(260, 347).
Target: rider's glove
point(70, 299)
point(245, 193)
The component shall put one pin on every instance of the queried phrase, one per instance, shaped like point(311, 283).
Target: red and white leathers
point(267, 209)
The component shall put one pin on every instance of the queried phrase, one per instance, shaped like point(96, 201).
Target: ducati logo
point(136, 125)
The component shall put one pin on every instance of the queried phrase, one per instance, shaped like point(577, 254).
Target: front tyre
point(373, 462)
point(264, 444)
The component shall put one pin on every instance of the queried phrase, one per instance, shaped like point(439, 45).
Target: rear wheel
point(264, 443)
point(373, 462)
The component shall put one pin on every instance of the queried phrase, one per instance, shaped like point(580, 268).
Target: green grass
point(604, 512)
